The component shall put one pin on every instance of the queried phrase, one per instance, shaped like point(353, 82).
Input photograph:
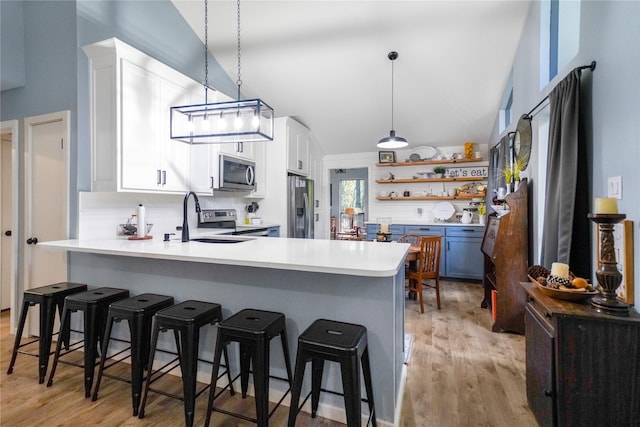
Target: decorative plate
point(562, 294)
point(443, 211)
point(423, 153)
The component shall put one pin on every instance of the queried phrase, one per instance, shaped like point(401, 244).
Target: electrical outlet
point(420, 211)
point(614, 187)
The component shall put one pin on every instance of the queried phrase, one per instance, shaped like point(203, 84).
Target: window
point(559, 36)
point(352, 194)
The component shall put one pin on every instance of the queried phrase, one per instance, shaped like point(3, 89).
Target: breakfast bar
point(348, 281)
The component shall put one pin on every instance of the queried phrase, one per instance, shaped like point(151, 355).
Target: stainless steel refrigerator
point(300, 216)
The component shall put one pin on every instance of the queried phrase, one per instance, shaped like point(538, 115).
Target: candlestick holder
point(608, 276)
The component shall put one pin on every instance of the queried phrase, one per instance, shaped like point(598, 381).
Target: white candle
point(606, 205)
point(384, 228)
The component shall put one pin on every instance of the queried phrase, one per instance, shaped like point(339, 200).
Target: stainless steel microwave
point(236, 174)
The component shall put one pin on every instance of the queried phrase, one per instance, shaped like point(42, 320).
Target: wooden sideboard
point(505, 248)
point(583, 367)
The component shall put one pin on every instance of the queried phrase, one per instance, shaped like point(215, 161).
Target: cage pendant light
point(392, 141)
point(243, 120)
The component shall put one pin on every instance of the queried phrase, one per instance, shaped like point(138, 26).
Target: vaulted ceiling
point(325, 63)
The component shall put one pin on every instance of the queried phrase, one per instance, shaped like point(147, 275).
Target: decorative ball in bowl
point(131, 229)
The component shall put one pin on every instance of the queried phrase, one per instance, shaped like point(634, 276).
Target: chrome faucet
point(185, 223)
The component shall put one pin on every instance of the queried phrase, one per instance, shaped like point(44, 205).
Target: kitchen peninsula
point(357, 282)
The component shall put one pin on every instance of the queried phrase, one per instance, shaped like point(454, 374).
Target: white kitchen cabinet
point(297, 137)
point(131, 95)
point(243, 150)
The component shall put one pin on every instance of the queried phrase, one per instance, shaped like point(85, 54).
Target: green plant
point(482, 209)
point(439, 169)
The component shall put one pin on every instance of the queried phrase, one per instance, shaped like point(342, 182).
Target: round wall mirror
point(522, 141)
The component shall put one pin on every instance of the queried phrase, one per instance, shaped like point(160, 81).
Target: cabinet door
point(297, 148)
point(140, 151)
point(174, 154)
point(463, 258)
point(241, 149)
point(540, 369)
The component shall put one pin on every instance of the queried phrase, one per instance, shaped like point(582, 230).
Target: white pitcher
point(467, 216)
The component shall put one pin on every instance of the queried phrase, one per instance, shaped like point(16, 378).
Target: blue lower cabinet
point(372, 229)
point(273, 231)
point(427, 231)
point(464, 258)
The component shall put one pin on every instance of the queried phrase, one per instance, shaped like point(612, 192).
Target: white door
point(6, 207)
point(46, 199)
point(9, 217)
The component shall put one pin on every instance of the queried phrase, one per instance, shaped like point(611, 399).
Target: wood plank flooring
point(459, 374)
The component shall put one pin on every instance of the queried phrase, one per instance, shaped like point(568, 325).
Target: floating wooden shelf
point(462, 197)
point(412, 180)
point(431, 162)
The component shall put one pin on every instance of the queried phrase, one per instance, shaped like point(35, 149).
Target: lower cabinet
point(581, 366)
point(460, 258)
point(464, 259)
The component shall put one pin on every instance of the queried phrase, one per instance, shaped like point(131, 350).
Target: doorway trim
point(13, 127)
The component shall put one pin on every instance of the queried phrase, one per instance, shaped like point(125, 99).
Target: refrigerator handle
point(307, 220)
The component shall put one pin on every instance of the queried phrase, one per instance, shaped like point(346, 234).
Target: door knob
point(7, 233)
point(32, 240)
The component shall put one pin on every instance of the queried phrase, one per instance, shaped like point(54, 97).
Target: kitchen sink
point(221, 239)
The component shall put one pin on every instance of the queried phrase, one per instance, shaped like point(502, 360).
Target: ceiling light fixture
point(392, 141)
point(252, 118)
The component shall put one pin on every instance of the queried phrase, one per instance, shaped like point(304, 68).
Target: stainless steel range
point(225, 219)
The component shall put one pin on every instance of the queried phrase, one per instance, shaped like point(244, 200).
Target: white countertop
point(356, 258)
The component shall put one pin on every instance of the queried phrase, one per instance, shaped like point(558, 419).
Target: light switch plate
point(614, 187)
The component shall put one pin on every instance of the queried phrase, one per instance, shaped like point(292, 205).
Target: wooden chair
point(428, 267)
point(413, 239)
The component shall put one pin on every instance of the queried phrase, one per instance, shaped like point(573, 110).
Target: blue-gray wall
point(609, 34)
point(11, 45)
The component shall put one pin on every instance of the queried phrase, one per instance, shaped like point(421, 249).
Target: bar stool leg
point(152, 352)
point(90, 351)
point(366, 369)
point(190, 352)
point(245, 360)
point(64, 319)
point(220, 344)
point(16, 345)
point(287, 357)
point(104, 347)
point(261, 382)
point(350, 368)
point(47, 317)
point(317, 368)
point(137, 360)
point(296, 389)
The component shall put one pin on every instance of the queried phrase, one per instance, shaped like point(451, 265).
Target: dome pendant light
point(392, 141)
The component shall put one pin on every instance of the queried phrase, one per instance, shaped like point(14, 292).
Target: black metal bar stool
point(48, 297)
point(340, 342)
point(94, 304)
point(253, 330)
point(185, 319)
point(138, 311)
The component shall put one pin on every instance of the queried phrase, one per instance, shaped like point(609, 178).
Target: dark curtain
point(566, 233)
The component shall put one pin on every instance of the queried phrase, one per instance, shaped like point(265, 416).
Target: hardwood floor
point(459, 374)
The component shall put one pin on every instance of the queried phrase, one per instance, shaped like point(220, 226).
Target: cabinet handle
point(425, 229)
point(158, 177)
point(448, 242)
point(211, 178)
point(164, 177)
point(300, 164)
point(468, 230)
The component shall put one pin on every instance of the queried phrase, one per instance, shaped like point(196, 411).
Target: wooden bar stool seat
point(48, 297)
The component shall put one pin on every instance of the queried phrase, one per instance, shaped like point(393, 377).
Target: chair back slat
point(429, 259)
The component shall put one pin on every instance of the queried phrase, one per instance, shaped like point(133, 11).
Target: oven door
point(252, 232)
point(236, 174)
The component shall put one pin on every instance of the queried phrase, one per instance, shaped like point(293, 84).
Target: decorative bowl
point(563, 294)
point(131, 229)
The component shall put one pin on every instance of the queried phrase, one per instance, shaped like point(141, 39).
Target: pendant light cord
point(239, 81)
point(206, 51)
point(392, 91)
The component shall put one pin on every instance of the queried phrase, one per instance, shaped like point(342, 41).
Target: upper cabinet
point(297, 137)
point(131, 95)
